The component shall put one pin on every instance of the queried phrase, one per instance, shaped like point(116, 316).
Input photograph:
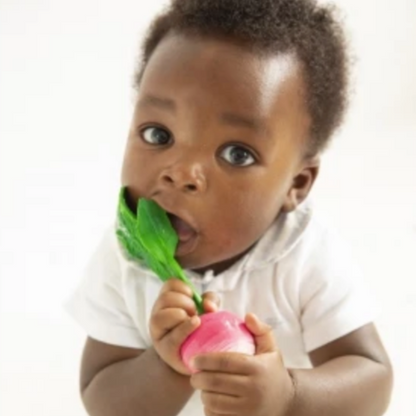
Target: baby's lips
point(182, 228)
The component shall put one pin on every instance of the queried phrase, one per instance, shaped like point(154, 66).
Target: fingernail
point(195, 320)
point(213, 305)
point(193, 363)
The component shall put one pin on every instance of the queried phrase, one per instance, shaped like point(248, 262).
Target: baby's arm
point(130, 382)
point(352, 376)
point(125, 381)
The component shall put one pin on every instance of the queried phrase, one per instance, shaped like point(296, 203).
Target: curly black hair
point(310, 31)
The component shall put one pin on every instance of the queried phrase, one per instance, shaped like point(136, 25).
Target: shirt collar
point(277, 242)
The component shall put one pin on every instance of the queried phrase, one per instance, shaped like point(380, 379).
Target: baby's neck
point(220, 267)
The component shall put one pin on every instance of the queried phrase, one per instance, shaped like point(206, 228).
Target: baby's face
point(217, 139)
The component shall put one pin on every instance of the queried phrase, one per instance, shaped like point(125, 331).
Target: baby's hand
point(174, 318)
point(244, 385)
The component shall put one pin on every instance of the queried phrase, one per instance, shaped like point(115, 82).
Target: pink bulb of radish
point(218, 332)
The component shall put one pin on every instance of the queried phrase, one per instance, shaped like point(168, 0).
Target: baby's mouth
point(187, 236)
point(183, 229)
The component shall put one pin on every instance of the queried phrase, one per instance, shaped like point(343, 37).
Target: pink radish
point(218, 332)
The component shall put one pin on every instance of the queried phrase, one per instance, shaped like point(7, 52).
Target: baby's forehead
point(214, 53)
point(216, 70)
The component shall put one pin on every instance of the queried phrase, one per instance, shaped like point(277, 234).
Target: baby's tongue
point(184, 231)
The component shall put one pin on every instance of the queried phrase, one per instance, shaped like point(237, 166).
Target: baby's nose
point(185, 177)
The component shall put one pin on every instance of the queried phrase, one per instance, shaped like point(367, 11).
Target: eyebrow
point(159, 102)
point(231, 119)
point(238, 120)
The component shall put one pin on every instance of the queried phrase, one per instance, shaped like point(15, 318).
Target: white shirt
point(299, 278)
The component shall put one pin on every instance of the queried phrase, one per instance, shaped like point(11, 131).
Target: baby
point(236, 101)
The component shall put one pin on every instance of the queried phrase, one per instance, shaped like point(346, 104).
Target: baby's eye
point(156, 135)
point(238, 156)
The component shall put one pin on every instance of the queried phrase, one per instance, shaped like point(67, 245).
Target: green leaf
point(150, 239)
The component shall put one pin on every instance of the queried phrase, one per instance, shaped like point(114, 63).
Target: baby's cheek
point(235, 238)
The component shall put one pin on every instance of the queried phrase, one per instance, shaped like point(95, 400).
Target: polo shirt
point(300, 278)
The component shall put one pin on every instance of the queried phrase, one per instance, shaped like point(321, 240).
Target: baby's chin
point(197, 263)
point(190, 262)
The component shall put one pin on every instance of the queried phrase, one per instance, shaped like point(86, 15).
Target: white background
point(65, 104)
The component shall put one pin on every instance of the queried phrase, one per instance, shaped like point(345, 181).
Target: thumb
point(263, 334)
point(211, 302)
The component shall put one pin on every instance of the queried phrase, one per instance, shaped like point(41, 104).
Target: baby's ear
point(301, 184)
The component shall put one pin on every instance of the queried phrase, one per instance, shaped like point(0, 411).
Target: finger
point(225, 362)
point(165, 321)
point(174, 300)
point(176, 285)
point(231, 384)
point(211, 302)
point(263, 334)
point(177, 336)
point(222, 404)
